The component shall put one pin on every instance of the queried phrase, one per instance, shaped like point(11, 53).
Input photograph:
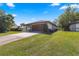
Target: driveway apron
point(14, 37)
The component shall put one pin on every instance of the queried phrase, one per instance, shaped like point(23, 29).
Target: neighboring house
point(14, 26)
point(74, 26)
point(39, 26)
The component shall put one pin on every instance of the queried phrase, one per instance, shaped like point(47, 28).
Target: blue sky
point(30, 12)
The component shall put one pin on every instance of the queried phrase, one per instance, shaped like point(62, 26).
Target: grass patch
point(10, 32)
point(56, 44)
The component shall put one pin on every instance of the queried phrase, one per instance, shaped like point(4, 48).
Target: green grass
point(8, 33)
point(58, 43)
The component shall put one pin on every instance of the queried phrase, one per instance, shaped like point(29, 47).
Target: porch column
point(31, 27)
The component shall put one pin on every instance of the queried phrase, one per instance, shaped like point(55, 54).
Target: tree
point(2, 21)
point(77, 15)
point(6, 21)
point(9, 21)
point(70, 15)
point(55, 22)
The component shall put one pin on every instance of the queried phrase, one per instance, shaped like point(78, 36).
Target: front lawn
point(58, 43)
point(8, 33)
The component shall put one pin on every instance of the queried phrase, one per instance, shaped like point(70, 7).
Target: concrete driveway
point(14, 37)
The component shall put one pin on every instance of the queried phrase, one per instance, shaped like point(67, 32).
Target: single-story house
point(74, 26)
point(39, 26)
point(14, 26)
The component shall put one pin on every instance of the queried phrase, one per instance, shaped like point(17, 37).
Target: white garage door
point(77, 27)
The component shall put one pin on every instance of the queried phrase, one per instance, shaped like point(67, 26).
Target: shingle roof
point(38, 22)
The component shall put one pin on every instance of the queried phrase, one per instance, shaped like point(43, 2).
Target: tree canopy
point(70, 15)
point(6, 21)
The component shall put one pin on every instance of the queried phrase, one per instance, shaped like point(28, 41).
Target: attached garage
point(74, 26)
point(37, 28)
point(40, 26)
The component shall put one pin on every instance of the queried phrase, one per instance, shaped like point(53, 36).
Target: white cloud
point(72, 6)
point(75, 5)
point(10, 4)
point(14, 15)
point(55, 4)
point(63, 7)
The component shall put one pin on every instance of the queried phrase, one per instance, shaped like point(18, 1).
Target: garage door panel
point(37, 27)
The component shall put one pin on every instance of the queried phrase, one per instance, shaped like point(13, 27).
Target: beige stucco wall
point(74, 27)
point(24, 28)
point(51, 27)
point(77, 27)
